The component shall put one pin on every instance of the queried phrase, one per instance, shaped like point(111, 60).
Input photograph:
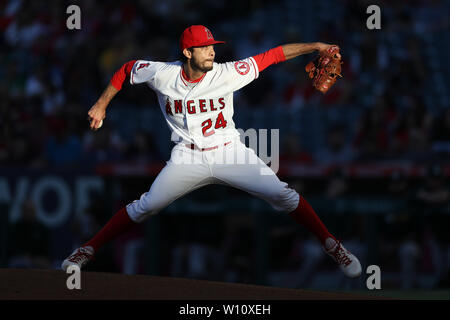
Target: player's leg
point(244, 170)
point(249, 173)
point(183, 173)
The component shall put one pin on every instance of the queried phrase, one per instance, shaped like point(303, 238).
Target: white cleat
point(80, 257)
point(347, 262)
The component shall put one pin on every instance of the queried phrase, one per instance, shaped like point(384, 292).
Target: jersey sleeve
point(144, 71)
point(272, 56)
point(237, 74)
point(120, 75)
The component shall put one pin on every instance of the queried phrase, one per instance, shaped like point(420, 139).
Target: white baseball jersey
point(200, 114)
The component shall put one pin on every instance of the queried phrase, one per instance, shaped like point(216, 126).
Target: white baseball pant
point(234, 165)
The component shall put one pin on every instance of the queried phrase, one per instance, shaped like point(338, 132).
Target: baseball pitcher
point(196, 98)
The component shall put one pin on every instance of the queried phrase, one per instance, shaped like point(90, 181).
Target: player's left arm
point(241, 73)
point(293, 50)
point(287, 52)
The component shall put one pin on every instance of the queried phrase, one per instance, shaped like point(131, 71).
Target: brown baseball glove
point(325, 69)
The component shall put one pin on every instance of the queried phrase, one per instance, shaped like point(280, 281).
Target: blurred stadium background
point(372, 155)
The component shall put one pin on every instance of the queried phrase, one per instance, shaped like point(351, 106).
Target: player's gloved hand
point(96, 115)
point(325, 68)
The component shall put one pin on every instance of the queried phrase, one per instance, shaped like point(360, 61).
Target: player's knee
point(285, 199)
point(139, 217)
point(141, 210)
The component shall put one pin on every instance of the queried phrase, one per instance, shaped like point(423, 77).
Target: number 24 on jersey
point(206, 125)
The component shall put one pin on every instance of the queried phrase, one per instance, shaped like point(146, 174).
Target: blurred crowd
point(51, 76)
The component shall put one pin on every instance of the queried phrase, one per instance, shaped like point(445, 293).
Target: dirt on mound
point(32, 284)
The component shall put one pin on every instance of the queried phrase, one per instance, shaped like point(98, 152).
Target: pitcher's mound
point(33, 284)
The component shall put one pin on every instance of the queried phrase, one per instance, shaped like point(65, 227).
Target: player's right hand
point(96, 115)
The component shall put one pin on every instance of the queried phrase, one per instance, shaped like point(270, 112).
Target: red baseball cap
point(197, 36)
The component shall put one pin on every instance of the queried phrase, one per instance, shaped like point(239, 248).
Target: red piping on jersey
point(119, 77)
point(272, 56)
point(254, 67)
point(185, 77)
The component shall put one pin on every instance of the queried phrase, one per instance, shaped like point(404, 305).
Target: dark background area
point(371, 156)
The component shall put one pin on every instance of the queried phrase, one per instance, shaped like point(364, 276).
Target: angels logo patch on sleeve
point(242, 67)
point(237, 74)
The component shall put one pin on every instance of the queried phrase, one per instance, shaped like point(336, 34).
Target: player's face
point(203, 58)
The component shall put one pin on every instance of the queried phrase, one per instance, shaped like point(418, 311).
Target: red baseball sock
point(305, 215)
point(117, 225)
